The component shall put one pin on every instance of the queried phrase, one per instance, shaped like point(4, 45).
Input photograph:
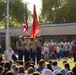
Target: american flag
point(25, 27)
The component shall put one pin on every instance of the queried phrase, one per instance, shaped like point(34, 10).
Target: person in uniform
point(19, 47)
point(30, 54)
point(26, 49)
point(38, 48)
point(32, 49)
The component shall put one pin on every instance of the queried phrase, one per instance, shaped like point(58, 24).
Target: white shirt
point(57, 49)
point(42, 50)
point(66, 48)
point(8, 55)
point(46, 49)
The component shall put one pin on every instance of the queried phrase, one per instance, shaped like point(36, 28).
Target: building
point(50, 31)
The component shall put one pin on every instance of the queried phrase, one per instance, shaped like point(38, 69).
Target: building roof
point(49, 29)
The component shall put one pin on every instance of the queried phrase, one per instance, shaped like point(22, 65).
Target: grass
point(70, 61)
point(60, 63)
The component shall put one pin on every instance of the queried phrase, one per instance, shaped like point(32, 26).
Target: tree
point(70, 6)
point(49, 7)
point(16, 11)
point(2, 11)
point(58, 11)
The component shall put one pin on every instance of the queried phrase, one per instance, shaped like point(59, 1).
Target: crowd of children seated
point(50, 67)
point(10, 65)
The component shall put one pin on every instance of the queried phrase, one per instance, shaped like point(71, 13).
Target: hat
point(38, 35)
point(31, 37)
point(25, 37)
point(20, 36)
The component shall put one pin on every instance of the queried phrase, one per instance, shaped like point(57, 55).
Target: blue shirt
point(40, 69)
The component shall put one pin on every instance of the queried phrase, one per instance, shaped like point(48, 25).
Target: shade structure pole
point(7, 30)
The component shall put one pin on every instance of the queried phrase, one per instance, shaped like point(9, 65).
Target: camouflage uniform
point(26, 50)
point(19, 47)
point(38, 48)
point(33, 49)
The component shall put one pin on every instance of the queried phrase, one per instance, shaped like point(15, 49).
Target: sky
point(31, 3)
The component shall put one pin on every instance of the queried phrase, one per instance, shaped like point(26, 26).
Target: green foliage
point(16, 12)
point(2, 9)
point(58, 11)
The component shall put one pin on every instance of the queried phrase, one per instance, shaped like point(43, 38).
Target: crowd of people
point(59, 51)
point(38, 58)
point(30, 68)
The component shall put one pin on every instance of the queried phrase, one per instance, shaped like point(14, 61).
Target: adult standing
point(74, 51)
point(33, 49)
point(26, 49)
point(38, 48)
point(8, 54)
point(19, 47)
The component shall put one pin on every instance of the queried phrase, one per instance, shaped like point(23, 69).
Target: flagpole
point(7, 31)
point(35, 25)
